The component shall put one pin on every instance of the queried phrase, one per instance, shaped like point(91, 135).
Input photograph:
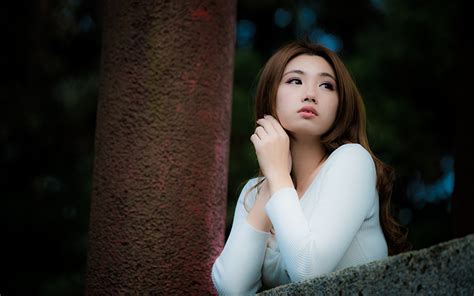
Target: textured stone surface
point(161, 153)
point(443, 269)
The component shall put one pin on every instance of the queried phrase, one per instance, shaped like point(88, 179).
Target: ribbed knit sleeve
point(311, 247)
point(237, 271)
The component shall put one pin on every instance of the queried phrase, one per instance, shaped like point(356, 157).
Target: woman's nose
point(310, 95)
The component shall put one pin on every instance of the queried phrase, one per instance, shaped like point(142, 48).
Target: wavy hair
point(349, 126)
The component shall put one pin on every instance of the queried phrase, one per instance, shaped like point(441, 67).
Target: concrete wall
point(443, 269)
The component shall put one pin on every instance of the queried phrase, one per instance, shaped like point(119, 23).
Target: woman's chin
point(305, 135)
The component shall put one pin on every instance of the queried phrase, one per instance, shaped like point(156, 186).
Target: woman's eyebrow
point(323, 74)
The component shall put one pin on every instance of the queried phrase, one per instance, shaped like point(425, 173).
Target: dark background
point(407, 57)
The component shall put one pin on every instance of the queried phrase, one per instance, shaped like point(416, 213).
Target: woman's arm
point(347, 190)
point(257, 216)
point(237, 271)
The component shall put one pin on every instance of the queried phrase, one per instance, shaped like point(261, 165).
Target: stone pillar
point(158, 205)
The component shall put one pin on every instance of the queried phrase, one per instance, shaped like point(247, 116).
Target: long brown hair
point(349, 126)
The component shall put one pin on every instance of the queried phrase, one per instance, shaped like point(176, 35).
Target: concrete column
point(158, 205)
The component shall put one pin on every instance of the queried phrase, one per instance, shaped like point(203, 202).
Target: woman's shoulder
point(351, 149)
point(248, 184)
point(350, 154)
point(251, 182)
point(350, 163)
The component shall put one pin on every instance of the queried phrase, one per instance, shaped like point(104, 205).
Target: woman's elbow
point(228, 283)
point(225, 283)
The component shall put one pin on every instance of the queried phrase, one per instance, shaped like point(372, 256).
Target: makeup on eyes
point(330, 84)
point(322, 74)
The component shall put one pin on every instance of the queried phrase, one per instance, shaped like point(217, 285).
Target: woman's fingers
point(260, 132)
point(271, 146)
point(254, 139)
point(267, 125)
point(276, 125)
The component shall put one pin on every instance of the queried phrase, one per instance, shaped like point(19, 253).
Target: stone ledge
point(443, 269)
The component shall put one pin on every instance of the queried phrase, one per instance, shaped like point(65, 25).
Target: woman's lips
point(307, 114)
point(308, 109)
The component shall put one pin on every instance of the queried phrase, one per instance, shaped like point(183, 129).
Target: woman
point(321, 200)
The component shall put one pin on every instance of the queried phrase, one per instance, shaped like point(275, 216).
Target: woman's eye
point(327, 85)
point(291, 81)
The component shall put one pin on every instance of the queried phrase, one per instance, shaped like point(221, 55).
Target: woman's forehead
point(309, 65)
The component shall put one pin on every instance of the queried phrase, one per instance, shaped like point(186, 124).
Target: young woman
point(321, 201)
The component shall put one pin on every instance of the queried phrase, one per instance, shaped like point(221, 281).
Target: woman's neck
point(307, 156)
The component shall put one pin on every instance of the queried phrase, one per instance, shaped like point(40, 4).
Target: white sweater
point(334, 225)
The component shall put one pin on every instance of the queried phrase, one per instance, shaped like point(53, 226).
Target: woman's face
point(307, 81)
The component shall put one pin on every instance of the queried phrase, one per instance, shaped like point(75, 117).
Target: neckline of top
point(321, 169)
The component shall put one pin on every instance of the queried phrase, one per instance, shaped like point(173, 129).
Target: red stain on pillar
point(220, 151)
point(200, 13)
point(204, 115)
point(189, 82)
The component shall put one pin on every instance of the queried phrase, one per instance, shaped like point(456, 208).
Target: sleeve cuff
point(285, 212)
point(280, 201)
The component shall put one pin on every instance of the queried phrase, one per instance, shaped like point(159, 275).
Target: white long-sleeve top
point(334, 225)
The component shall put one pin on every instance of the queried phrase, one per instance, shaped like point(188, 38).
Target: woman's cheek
point(282, 120)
